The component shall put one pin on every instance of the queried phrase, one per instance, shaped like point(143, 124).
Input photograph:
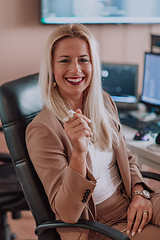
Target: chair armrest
point(87, 224)
point(151, 175)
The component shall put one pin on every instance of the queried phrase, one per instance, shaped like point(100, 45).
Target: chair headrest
point(20, 98)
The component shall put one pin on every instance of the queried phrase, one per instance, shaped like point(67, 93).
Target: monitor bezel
point(126, 105)
point(150, 107)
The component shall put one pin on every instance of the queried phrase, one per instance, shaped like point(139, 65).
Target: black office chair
point(19, 104)
point(11, 196)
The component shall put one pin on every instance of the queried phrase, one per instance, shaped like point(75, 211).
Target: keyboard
point(152, 126)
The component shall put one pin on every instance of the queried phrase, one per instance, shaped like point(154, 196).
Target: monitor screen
point(151, 80)
point(100, 11)
point(121, 82)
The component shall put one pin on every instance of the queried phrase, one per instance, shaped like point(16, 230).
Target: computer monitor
point(121, 82)
point(151, 82)
point(99, 11)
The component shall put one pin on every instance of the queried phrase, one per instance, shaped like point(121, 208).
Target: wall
point(22, 40)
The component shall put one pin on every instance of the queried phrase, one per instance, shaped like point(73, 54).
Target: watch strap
point(142, 193)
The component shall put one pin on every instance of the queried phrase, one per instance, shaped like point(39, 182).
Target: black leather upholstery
point(11, 195)
point(20, 103)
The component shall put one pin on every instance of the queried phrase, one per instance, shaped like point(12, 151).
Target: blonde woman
point(77, 145)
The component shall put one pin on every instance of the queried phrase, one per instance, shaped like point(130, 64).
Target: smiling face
point(72, 67)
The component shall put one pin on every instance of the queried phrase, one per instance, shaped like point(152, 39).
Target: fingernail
point(139, 230)
point(133, 233)
point(128, 232)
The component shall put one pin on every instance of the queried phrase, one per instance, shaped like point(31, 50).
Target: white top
point(106, 173)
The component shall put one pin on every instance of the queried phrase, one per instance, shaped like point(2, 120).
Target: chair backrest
point(20, 102)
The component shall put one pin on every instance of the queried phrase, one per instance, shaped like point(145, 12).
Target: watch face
point(146, 193)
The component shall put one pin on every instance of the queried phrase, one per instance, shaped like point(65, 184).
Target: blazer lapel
point(123, 165)
point(91, 202)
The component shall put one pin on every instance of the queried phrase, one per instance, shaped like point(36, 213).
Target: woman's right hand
point(78, 131)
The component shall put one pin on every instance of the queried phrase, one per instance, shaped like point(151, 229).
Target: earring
point(54, 84)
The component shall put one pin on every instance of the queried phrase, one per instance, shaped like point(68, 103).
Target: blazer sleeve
point(67, 191)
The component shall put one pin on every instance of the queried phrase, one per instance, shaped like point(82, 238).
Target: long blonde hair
point(102, 122)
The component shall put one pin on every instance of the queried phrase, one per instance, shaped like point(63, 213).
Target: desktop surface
point(147, 152)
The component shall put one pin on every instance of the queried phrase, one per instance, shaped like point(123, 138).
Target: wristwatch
point(143, 193)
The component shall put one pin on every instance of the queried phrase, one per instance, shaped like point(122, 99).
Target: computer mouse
point(142, 135)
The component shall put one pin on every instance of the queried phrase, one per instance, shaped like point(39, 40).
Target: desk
point(144, 155)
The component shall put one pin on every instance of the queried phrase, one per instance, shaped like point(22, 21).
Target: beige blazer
point(70, 194)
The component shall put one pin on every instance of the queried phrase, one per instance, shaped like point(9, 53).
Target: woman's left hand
point(139, 214)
